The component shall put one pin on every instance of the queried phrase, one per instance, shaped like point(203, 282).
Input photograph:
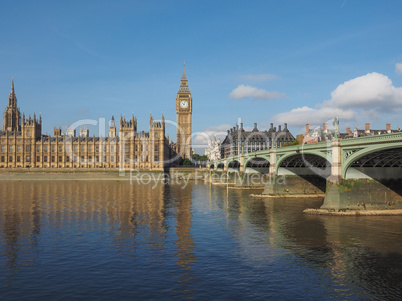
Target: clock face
point(183, 104)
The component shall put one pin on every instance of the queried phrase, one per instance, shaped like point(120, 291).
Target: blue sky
point(261, 61)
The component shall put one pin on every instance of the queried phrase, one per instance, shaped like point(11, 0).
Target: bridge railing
point(301, 147)
point(392, 137)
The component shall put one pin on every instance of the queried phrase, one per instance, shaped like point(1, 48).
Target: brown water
point(103, 240)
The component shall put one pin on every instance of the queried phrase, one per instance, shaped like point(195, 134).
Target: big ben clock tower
point(184, 104)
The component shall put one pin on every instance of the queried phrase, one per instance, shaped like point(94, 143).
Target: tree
point(294, 142)
point(187, 162)
point(197, 157)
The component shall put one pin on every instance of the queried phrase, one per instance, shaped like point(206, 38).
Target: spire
point(112, 123)
point(184, 76)
point(184, 81)
point(12, 100)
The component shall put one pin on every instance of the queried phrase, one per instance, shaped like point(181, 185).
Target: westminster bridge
point(355, 173)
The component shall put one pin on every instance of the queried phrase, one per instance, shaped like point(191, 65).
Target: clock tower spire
point(184, 104)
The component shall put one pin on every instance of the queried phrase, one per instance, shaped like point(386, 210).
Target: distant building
point(324, 134)
point(239, 141)
point(370, 132)
point(300, 138)
point(319, 134)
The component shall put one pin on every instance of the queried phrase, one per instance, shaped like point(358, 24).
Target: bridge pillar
point(241, 168)
point(225, 165)
point(363, 194)
point(272, 163)
point(336, 167)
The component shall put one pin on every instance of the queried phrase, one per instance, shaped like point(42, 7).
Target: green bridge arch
point(323, 154)
point(351, 156)
point(249, 159)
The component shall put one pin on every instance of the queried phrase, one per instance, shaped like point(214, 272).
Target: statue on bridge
point(335, 124)
point(213, 151)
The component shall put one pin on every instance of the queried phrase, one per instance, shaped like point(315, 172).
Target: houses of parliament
point(22, 144)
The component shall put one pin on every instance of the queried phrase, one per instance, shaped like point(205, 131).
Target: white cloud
point(259, 77)
point(398, 68)
point(254, 93)
point(219, 128)
point(364, 96)
point(200, 139)
point(371, 115)
point(369, 91)
point(303, 115)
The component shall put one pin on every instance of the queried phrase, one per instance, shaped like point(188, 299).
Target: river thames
point(112, 240)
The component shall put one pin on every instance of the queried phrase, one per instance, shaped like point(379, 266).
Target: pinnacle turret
point(151, 120)
point(12, 99)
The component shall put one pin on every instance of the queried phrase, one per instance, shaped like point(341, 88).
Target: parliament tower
point(184, 104)
point(12, 117)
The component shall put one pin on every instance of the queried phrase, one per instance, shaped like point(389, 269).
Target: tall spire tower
point(184, 105)
point(12, 100)
point(12, 116)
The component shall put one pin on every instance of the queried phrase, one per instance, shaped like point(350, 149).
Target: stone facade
point(22, 144)
point(184, 108)
point(239, 141)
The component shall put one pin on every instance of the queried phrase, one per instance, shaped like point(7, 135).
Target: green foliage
point(294, 142)
point(187, 162)
point(198, 157)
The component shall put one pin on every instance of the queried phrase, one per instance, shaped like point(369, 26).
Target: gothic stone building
point(22, 143)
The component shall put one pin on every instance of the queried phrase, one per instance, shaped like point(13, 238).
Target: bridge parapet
point(383, 138)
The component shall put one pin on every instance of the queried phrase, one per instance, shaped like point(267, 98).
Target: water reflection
point(20, 226)
point(133, 216)
point(356, 255)
point(200, 242)
point(182, 200)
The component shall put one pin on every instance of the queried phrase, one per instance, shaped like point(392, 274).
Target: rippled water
point(104, 240)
